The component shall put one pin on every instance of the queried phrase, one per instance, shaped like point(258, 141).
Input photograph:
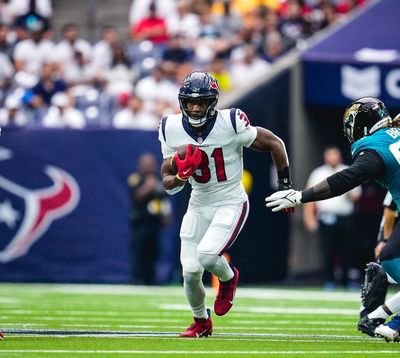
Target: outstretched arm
point(367, 165)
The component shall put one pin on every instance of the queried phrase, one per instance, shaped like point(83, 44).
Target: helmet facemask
point(198, 119)
point(202, 89)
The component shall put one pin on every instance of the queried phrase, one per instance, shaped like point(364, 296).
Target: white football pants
point(206, 233)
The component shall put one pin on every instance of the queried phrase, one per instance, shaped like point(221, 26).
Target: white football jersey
point(218, 180)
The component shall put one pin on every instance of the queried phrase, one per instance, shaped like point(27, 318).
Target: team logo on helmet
point(352, 112)
point(349, 118)
point(214, 85)
point(28, 214)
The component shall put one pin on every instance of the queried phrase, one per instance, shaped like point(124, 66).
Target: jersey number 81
point(205, 175)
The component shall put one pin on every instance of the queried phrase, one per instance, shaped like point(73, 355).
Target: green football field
point(123, 321)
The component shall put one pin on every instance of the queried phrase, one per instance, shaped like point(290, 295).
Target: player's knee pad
point(189, 227)
point(190, 265)
point(207, 260)
point(192, 277)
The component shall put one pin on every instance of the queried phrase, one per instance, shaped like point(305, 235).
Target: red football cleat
point(201, 327)
point(1, 335)
point(226, 294)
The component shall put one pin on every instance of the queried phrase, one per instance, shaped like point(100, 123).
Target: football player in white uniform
point(218, 205)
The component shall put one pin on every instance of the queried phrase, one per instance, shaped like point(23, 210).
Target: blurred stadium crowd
point(131, 80)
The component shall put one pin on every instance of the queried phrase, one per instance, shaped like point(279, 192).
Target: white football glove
point(284, 199)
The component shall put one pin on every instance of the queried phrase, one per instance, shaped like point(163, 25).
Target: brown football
point(182, 154)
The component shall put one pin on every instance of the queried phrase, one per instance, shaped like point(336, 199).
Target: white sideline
point(191, 352)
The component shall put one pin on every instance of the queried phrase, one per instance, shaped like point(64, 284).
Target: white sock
point(378, 313)
point(200, 311)
point(195, 293)
point(393, 303)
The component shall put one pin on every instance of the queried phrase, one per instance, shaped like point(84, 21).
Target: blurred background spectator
point(69, 46)
point(220, 72)
point(31, 52)
point(11, 115)
point(103, 50)
point(151, 27)
point(247, 67)
point(119, 75)
point(134, 116)
point(235, 40)
point(50, 82)
point(62, 114)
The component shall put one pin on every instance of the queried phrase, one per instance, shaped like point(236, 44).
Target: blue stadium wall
point(64, 203)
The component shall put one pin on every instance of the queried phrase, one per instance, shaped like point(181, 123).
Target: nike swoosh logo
point(186, 171)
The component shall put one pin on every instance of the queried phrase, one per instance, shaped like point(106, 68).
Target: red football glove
point(188, 165)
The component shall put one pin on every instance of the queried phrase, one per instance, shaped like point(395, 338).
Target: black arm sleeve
point(366, 165)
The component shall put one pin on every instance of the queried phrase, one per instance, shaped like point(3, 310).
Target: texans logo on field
point(27, 214)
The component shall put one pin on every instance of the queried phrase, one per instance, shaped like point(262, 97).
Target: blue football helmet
point(363, 117)
point(202, 88)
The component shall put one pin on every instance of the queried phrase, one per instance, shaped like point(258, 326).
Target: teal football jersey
point(385, 142)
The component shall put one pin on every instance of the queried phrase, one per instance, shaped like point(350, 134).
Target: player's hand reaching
point(188, 165)
point(285, 184)
point(283, 200)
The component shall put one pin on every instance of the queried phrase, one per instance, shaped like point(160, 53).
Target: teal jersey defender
point(385, 142)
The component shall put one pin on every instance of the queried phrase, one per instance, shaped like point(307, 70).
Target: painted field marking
point(255, 293)
point(44, 332)
point(287, 310)
point(191, 352)
point(214, 339)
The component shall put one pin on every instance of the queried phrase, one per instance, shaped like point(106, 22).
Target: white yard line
point(80, 333)
point(214, 338)
point(256, 293)
point(223, 329)
point(191, 352)
point(280, 310)
point(292, 322)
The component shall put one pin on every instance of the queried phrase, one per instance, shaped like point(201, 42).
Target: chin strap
point(197, 122)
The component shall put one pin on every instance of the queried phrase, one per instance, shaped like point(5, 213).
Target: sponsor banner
point(337, 84)
point(64, 203)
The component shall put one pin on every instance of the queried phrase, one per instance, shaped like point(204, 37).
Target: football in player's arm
point(218, 207)
point(375, 147)
point(265, 141)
